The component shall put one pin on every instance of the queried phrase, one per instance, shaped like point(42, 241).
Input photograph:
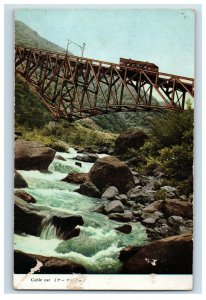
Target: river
point(98, 245)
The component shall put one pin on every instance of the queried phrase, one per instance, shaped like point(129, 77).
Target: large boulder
point(176, 207)
point(31, 155)
point(23, 263)
point(110, 171)
point(19, 181)
point(26, 219)
point(172, 255)
point(130, 139)
point(77, 178)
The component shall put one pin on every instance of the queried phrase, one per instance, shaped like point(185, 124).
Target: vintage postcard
point(103, 184)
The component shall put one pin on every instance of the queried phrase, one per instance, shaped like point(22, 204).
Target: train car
point(124, 62)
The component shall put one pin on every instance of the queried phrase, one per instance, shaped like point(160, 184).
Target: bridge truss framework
point(75, 87)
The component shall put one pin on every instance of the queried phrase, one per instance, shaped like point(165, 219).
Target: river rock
point(176, 207)
point(23, 263)
point(87, 158)
point(89, 189)
point(114, 206)
point(126, 228)
point(149, 221)
point(60, 157)
point(90, 150)
point(155, 206)
point(136, 180)
point(131, 194)
point(25, 196)
point(77, 178)
point(175, 220)
point(172, 255)
point(98, 209)
point(78, 164)
point(170, 191)
point(31, 155)
point(19, 181)
point(130, 139)
point(123, 198)
point(110, 171)
point(127, 216)
point(141, 195)
point(110, 193)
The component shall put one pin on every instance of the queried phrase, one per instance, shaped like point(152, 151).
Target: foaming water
point(98, 245)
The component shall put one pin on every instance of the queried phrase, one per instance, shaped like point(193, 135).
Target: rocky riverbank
point(123, 195)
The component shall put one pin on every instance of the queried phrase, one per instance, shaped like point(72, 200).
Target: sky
point(164, 37)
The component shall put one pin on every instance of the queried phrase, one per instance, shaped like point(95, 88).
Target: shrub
point(177, 161)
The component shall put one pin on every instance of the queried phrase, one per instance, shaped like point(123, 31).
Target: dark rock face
point(19, 181)
point(25, 219)
point(50, 265)
point(89, 189)
point(77, 178)
point(127, 252)
point(124, 228)
point(65, 225)
point(31, 221)
point(130, 139)
point(25, 196)
point(78, 164)
point(177, 207)
point(172, 255)
point(110, 171)
point(30, 155)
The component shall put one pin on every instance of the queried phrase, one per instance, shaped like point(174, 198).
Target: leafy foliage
point(169, 129)
point(171, 144)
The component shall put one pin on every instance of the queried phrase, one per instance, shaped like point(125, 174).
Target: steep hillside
point(25, 36)
point(121, 121)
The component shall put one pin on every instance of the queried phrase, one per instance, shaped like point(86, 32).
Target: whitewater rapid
point(98, 245)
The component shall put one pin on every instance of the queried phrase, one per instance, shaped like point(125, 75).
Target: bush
point(170, 129)
point(177, 161)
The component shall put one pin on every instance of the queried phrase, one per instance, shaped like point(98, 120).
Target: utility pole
point(81, 47)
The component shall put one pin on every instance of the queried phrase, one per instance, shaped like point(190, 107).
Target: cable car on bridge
point(125, 62)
